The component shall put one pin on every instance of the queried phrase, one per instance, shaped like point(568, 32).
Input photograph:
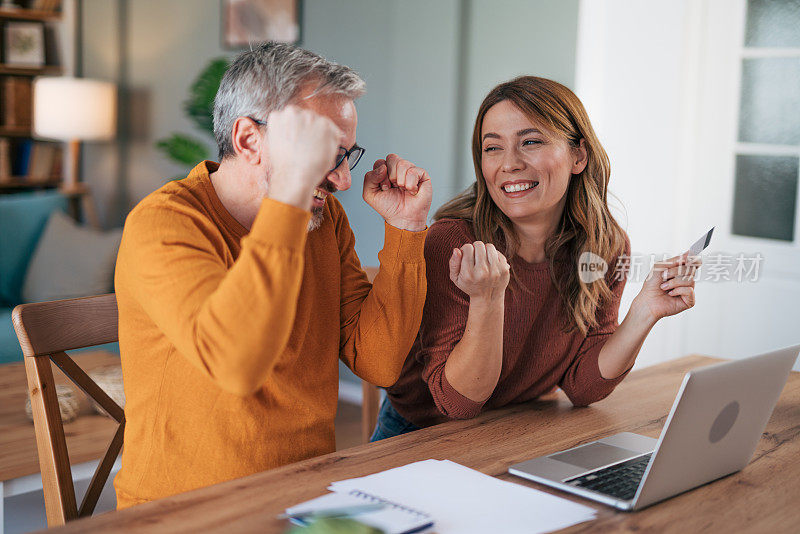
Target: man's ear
point(581, 157)
point(247, 138)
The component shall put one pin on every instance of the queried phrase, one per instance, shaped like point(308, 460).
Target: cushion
point(69, 403)
point(22, 219)
point(71, 261)
point(9, 346)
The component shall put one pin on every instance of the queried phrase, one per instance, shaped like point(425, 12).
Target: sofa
point(27, 221)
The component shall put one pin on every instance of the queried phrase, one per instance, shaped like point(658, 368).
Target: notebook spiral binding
point(374, 499)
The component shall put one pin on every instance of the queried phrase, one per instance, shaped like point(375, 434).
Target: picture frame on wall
point(246, 22)
point(23, 44)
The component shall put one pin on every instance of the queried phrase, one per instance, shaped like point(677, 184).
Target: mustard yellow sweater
point(230, 340)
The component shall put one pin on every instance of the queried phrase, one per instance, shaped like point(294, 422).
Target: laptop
point(712, 431)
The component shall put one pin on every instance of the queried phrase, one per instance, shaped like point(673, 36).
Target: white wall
point(631, 76)
point(101, 167)
point(650, 75)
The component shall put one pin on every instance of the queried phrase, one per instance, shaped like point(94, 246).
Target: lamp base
point(71, 177)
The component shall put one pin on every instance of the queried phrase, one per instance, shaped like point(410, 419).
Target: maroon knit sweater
point(537, 354)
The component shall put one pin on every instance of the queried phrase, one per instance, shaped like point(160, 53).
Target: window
point(767, 166)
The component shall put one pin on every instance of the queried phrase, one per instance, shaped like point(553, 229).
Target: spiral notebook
point(393, 518)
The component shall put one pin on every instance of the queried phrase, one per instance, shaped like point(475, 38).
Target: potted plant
point(185, 149)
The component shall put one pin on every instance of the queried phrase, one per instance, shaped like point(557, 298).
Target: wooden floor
point(348, 425)
point(87, 437)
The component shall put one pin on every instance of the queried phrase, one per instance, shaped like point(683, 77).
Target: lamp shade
point(74, 109)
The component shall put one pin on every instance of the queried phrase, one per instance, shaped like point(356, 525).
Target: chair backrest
point(370, 395)
point(45, 331)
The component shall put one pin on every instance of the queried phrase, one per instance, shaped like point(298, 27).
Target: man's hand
point(400, 192)
point(302, 149)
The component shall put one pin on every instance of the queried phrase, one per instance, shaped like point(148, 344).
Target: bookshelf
point(16, 70)
point(22, 183)
point(25, 163)
point(29, 14)
point(15, 131)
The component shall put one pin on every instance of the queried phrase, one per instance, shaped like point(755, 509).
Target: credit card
point(701, 244)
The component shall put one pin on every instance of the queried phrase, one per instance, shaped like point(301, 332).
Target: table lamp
point(74, 110)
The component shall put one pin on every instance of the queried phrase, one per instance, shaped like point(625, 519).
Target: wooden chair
point(45, 331)
point(370, 395)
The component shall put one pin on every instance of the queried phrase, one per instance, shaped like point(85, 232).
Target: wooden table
point(88, 436)
point(764, 497)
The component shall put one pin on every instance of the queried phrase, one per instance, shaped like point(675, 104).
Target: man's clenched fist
point(302, 149)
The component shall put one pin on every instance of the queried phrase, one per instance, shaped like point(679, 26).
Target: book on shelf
point(33, 161)
point(21, 158)
point(44, 5)
point(5, 160)
point(40, 168)
point(17, 102)
point(52, 55)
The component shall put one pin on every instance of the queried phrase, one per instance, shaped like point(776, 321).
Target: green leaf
point(335, 526)
point(183, 149)
point(200, 105)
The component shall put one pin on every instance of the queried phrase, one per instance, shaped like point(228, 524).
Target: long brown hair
point(586, 223)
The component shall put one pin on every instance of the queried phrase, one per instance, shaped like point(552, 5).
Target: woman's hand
point(473, 367)
point(480, 271)
point(669, 288)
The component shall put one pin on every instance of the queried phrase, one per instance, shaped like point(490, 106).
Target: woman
point(498, 331)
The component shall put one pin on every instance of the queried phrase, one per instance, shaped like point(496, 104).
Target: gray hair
point(267, 78)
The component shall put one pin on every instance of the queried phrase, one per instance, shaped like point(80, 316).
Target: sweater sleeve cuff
point(403, 246)
point(593, 367)
point(281, 225)
point(457, 405)
point(587, 384)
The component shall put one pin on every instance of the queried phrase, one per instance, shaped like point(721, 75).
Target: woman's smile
point(518, 188)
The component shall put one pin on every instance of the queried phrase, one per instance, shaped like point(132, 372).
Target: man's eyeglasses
point(353, 155)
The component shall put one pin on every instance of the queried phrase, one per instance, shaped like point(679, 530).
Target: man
point(239, 288)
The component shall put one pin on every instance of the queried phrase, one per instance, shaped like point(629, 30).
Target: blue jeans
point(390, 423)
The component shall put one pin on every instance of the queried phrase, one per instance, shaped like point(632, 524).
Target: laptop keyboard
point(620, 480)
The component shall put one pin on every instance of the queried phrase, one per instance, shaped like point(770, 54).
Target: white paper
point(463, 500)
